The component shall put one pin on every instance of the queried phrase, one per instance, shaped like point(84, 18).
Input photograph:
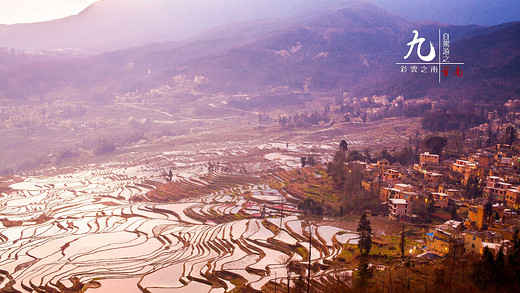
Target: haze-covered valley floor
point(91, 223)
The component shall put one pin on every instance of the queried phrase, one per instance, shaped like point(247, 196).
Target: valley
point(93, 224)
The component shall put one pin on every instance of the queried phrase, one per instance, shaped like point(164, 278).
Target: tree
point(435, 144)
point(513, 257)
point(472, 189)
point(366, 154)
point(488, 211)
point(352, 189)
point(336, 168)
point(483, 270)
point(343, 145)
point(285, 262)
point(365, 235)
point(510, 136)
point(405, 156)
point(304, 161)
point(310, 206)
point(104, 147)
point(453, 212)
point(419, 208)
point(355, 156)
point(311, 160)
point(489, 272)
point(402, 243)
point(362, 272)
point(385, 154)
point(431, 205)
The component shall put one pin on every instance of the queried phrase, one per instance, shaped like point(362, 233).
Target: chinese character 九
point(419, 41)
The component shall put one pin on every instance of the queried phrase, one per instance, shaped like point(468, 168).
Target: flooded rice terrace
point(82, 230)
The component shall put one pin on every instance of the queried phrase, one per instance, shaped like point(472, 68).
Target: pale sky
point(24, 11)
point(483, 12)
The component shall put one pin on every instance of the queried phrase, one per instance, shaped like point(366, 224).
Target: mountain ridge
point(116, 24)
point(353, 49)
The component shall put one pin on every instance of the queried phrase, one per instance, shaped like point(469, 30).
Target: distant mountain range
point(353, 49)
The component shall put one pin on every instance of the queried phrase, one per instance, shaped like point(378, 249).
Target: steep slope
point(118, 24)
point(24, 76)
point(355, 49)
point(326, 51)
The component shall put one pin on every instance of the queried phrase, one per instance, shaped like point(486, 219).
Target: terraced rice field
point(82, 231)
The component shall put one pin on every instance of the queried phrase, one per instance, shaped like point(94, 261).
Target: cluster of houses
point(489, 220)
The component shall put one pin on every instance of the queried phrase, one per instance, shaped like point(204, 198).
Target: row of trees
point(448, 120)
point(490, 272)
point(347, 178)
point(405, 156)
point(303, 119)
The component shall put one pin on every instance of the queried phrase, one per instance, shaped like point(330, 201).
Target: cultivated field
point(101, 226)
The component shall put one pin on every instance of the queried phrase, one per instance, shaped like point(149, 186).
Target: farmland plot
point(106, 226)
point(82, 231)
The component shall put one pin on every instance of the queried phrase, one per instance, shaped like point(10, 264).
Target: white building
point(399, 208)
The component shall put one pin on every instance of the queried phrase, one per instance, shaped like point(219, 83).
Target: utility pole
point(288, 280)
point(309, 266)
point(282, 215)
point(275, 282)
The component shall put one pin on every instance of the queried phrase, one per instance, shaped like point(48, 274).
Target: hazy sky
point(483, 12)
point(20, 11)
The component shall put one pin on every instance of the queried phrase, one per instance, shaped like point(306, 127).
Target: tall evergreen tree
point(365, 234)
point(361, 278)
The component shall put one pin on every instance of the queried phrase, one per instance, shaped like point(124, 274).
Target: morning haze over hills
point(251, 56)
point(329, 45)
point(118, 24)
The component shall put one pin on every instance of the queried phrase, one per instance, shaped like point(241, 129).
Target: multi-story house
point(496, 187)
point(427, 158)
point(399, 208)
point(445, 237)
point(391, 175)
point(513, 197)
point(475, 241)
point(433, 177)
point(441, 200)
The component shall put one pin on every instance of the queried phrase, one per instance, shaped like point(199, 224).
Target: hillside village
point(477, 195)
